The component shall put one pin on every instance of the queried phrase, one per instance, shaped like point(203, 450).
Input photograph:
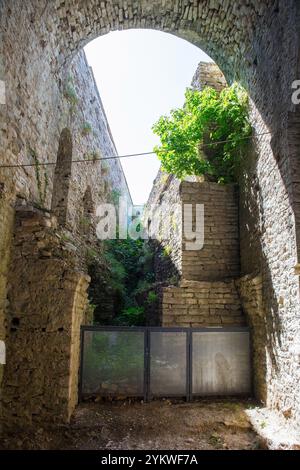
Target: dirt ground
point(165, 425)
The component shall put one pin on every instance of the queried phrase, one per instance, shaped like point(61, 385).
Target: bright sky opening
point(141, 75)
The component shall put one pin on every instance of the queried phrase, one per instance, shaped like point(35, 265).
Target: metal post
point(147, 366)
point(81, 364)
point(188, 365)
point(190, 370)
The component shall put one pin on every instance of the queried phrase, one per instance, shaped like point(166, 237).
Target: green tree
point(189, 135)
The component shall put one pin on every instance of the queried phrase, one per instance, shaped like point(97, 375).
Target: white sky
point(141, 75)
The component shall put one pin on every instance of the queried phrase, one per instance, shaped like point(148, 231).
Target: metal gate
point(153, 362)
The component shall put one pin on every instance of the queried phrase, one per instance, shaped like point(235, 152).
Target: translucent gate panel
point(113, 363)
point(221, 363)
point(168, 363)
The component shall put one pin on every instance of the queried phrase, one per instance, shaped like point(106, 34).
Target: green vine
point(167, 250)
point(104, 168)
point(86, 128)
point(115, 196)
point(94, 155)
point(70, 94)
point(208, 136)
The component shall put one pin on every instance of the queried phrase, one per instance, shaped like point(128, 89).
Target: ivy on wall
point(207, 136)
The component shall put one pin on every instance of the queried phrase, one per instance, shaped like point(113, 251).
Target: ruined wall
point(208, 75)
point(219, 258)
point(38, 110)
point(206, 294)
point(256, 42)
point(163, 218)
point(43, 323)
point(251, 295)
point(202, 303)
point(92, 139)
point(202, 297)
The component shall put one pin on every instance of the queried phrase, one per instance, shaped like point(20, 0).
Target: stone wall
point(55, 120)
point(43, 322)
point(163, 218)
point(251, 295)
point(203, 298)
point(202, 303)
point(256, 42)
point(206, 294)
point(208, 75)
point(92, 139)
point(6, 222)
point(219, 258)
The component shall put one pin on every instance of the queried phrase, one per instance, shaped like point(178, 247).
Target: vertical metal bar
point(147, 365)
point(81, 364)
point(251, 363)
point(191, 365)
point(187, 339)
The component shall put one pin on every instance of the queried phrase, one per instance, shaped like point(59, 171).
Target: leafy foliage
point(114, 196)
point(132, 316)
point(152, 297)
point(189, 135)
point(86, 128)
point(70, 94)
point(127, 272)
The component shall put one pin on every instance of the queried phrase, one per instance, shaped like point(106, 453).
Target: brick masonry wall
point(202, 303)
point(219, 257)
point(206, 295)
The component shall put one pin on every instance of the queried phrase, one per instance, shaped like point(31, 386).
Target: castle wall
point(53, 120)
point(255, 42)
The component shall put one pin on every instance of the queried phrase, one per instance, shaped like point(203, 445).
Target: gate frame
point(147, 343)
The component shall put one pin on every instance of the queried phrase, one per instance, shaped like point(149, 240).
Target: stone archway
point(255, 41)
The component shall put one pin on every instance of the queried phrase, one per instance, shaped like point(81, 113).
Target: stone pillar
point(6, 230)
point(250, 290)
point(47, 298)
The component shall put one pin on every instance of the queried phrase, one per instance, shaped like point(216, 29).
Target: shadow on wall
point(261, 304)
point(62, 177)
point(87, 221)
point(164, 267)
point(272, 315)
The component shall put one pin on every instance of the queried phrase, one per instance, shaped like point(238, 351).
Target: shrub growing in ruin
point(207, 136)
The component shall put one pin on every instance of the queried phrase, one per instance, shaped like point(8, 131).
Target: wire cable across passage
point(116, 157)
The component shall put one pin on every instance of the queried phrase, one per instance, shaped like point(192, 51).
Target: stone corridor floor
point(200, 425)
